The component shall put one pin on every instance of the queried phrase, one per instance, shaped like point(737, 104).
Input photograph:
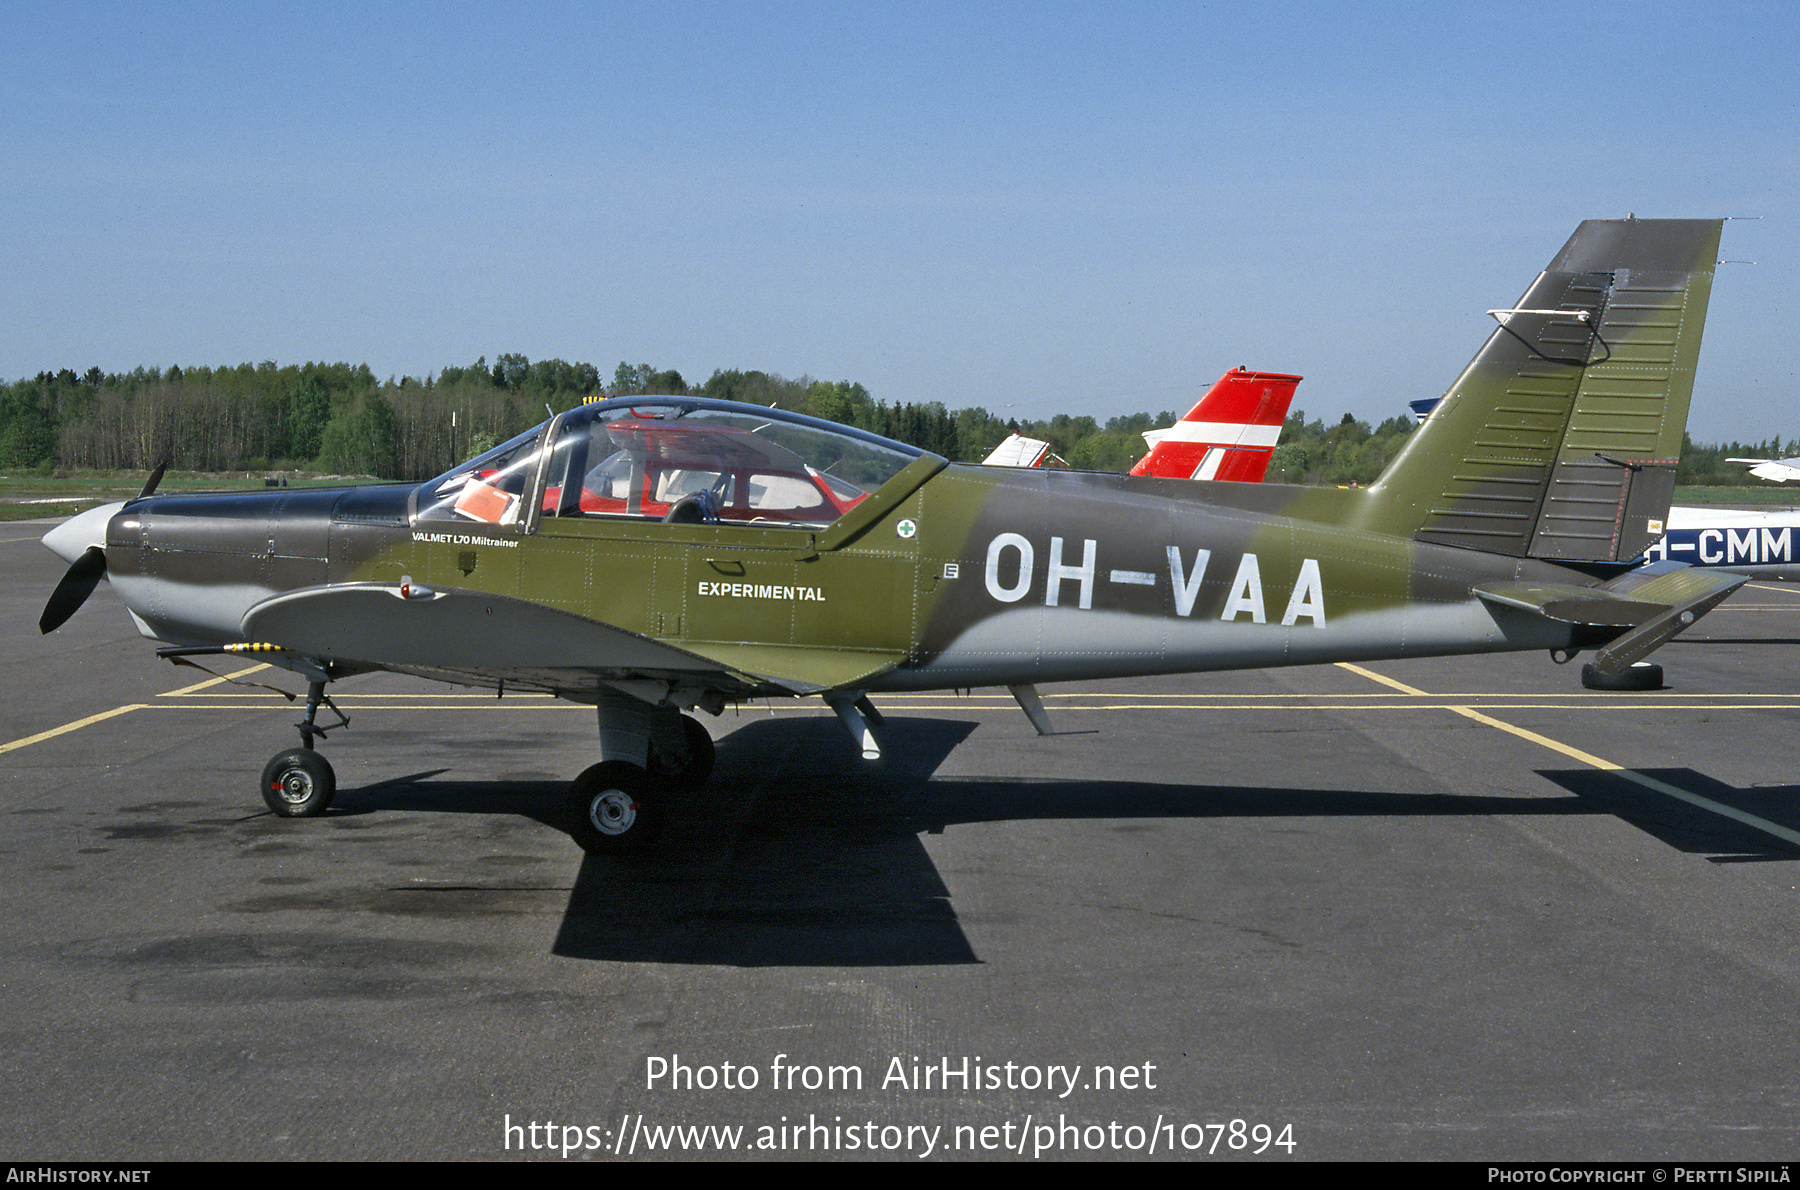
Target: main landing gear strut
point(648, 753)
point(300, 783)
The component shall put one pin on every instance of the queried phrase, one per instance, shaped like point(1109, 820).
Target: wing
point(1779, 470)
point(474, 638)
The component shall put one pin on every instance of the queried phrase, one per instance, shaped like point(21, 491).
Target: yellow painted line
point(1171, 697)
point(1320, 702)
point(1545, 741)
point(272, 705)
point(1651, 697)
point(1607, 766)
point(1632, 775)
point(78, 724)
point(211, 682)
point(1084, 700)
point(981, 702)
point(805, 707)
point(1436, 702)
point(41, 736)
point(364, 696)
point(1383, 679)
point(1767, 587)
point(250, 702)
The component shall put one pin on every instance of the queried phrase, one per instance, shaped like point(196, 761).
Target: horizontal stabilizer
point(1571, 604)
point(1691, 594)
point(1653, 603)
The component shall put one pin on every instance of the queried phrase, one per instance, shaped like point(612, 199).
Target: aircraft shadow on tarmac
point(1689, 828)
point(797, 853)
point(822, 863)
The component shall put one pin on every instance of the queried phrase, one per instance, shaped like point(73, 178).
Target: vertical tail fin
point(1561, 438)
point(1020, 451)
point(1229, 434)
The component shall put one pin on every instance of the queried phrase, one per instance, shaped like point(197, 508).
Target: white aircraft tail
point(1019, 451)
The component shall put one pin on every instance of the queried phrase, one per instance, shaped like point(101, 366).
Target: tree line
point(338, 418)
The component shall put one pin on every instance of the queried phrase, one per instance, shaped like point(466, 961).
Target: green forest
point(339, 419)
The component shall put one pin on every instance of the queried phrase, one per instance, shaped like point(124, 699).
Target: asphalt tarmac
point(1452, 909)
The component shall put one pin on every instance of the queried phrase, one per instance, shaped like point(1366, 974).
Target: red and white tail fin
point(1230, 434)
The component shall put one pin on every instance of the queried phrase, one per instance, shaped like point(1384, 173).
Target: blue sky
point(1085, 208)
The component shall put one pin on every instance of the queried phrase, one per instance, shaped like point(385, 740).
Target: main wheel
point(700, 755)
point(613, 809)
point(298, 783)
point(1640, 675)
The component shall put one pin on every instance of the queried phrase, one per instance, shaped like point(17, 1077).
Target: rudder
point(1561, 438)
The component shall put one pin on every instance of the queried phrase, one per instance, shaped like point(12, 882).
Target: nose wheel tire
point(298, 783)
point(613, 809)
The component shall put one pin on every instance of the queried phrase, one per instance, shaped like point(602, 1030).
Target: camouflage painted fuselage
point(975, 576)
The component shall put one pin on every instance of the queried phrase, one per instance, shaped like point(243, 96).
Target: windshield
point(490, 487)
point(676, 460)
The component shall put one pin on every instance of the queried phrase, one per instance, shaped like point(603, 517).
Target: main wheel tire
point(1640, 675)
point(298, 783)
point(613, 809)
point(700, 756)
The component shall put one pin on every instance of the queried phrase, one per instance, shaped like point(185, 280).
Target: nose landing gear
point(300, 783)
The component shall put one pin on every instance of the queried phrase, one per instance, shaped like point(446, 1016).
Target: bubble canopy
point(677, 459)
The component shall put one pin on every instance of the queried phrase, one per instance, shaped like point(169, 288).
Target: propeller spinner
point(81, 540)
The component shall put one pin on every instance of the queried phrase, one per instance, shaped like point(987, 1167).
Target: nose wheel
point(298, 783)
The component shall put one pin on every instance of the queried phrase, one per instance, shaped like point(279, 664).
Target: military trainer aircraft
point(653, 556)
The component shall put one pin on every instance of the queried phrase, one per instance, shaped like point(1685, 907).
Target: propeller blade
point(155, 478)
point(73, 590)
